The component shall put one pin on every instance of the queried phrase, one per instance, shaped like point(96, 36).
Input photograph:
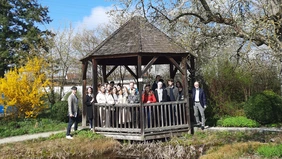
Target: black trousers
point(71, 121)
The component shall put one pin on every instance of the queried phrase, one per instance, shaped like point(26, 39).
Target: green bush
point(59, 111)
point(265, 108)
point(270, 151)
point(239, 121)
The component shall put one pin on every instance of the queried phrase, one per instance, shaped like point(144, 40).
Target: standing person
point(88, 103)
point(199, 103)
point(132, 89)
point(124, 113)
point(161, 96)
point(172, 91)
point(148, 97)
point(173, 95)
point(160, 93)
point(102, 98)
point(155, 84)
point(72, 112)
point(115, 95)
point(180, 90)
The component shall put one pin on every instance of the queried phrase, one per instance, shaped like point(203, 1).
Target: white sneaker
point(69, 137)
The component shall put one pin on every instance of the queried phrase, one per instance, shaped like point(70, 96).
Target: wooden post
point(186, 94)
point(95, 91)
point(140, 85)
point(84, 80)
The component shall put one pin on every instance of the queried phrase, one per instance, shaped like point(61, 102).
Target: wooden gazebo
point(139, 43)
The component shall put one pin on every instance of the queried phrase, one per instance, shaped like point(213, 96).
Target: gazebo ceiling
point(136, 37)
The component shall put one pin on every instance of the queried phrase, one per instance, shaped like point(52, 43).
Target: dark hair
point(171, 80)
point(74, 88)
point(180, 84)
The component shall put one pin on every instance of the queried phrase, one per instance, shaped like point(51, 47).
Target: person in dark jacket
point(199, 104)
point(88, 102)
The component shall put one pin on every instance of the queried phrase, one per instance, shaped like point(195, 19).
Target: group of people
point(117, 94)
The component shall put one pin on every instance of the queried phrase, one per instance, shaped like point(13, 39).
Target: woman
point(88, 103)
point(124, 113)
point(115, 95)
point(180, 90)
point(148, 95)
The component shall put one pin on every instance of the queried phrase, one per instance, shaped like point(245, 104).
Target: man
point(172, 91)
point(199, 103)
point(173, 95)
point(72, 112)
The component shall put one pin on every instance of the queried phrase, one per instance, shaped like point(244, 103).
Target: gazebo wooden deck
point(139, 43)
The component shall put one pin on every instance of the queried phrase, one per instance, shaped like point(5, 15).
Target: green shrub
point(59, 111)
point(265, 108)
point(270, 151)
point(239, 121)
point(29, 126)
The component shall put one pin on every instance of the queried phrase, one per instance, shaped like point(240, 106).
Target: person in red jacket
point(148, 95)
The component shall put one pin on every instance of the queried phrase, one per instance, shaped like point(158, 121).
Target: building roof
point(137, 36)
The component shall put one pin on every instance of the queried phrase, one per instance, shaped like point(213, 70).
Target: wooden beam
point(149, 65)
point(171, 71)
point(84, 69)
point(175, 64)
point(111, 71)
point(193, 70)
point(130, 71)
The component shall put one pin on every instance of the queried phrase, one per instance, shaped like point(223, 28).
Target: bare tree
point(203, 26)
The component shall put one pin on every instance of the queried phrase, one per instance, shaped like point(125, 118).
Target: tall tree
point(19, 32)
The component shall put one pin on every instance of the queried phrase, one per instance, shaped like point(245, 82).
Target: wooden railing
point(136, 118)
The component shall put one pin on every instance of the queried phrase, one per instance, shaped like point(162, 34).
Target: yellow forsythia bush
point(23, 88)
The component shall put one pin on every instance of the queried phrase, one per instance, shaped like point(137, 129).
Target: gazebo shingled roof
point(134, 37)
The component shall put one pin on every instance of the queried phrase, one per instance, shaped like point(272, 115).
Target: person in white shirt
point(199, 103)
point(103, 97)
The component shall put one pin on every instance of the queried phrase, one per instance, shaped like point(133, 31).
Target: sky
point(86, 14)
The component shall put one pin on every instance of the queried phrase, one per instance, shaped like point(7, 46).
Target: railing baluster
point(166, 115)
point(184, 113)
point(137, 115)
point(177, 114)
point(158, 115)
point(162, 117)
point(180, 113)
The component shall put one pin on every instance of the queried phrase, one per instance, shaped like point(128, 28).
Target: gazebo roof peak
point(136, 36)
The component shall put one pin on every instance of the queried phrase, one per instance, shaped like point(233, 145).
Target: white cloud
point(98, 16)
